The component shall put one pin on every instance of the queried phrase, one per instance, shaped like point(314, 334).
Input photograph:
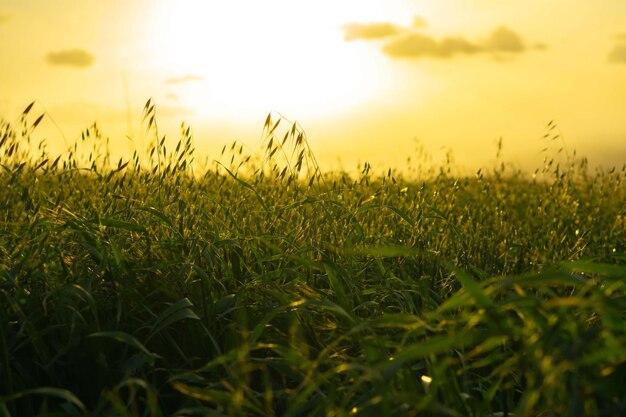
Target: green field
point(261, 286)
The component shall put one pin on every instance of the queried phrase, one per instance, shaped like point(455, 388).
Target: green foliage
point(261, 286)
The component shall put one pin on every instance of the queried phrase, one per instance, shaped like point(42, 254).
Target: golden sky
point(367, 79)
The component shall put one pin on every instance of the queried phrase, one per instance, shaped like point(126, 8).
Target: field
point(158, 285)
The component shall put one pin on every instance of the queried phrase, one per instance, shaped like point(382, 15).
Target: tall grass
point(262, 286)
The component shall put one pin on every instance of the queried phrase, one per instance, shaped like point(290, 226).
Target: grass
point(261, 286)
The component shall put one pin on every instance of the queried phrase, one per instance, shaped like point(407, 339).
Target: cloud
point(370, 31)
point(410, 42)
point(4, 18)
point(78, 58)
point(504, 39)
point(417, 45)
point(618, 54)
point(184, 79)
point(621, 37)
point(378, 30)
point(454, 45)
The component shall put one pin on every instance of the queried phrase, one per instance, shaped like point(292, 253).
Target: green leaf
point(402, 215)
point(4, 411)
point(180, 310)
point(594, 268)
point(336, 284)
point(245, 185)
point(129, 340)
point(440, 344)
point(473, 288)
point(541, 280)
point(333, 308)
point(46, 391)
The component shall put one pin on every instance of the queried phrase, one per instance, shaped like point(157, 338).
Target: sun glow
point(249, 57)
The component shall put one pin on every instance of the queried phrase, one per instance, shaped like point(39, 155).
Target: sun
point(250, 57)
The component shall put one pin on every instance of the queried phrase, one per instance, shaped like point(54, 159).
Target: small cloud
point(458, 44)
point(419, 22)
point(504, 39)
point(539, 46)
point(417, 46)
point(414, 45)
point(370, 31)
point(184, 79)
point(78, 58)
point(618, 54)
point(410, 43)
point(171, 96)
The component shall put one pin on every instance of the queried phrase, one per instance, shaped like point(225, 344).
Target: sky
point(368, 80)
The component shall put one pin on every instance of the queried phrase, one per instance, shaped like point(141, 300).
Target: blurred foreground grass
point(260, 286)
